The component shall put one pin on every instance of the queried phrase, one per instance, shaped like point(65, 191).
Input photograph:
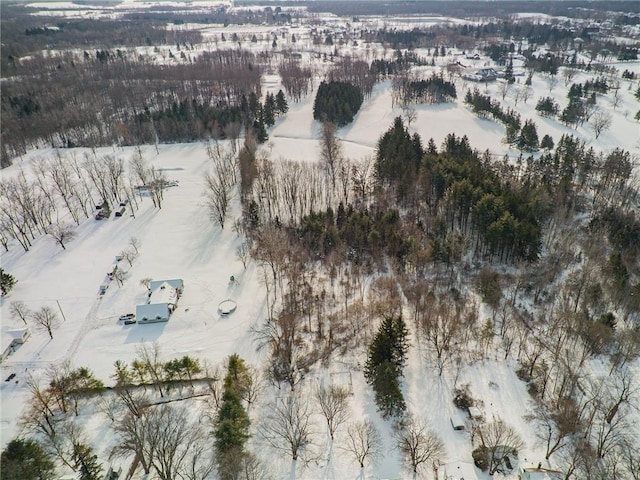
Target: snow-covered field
point(180, 241)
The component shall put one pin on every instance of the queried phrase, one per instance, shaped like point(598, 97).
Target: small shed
point(457, 421)
point(16, 337)
point(475, 413)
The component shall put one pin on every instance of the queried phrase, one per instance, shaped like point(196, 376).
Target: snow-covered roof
point(457, 471)
point(18, 332)
point(164, 293)
point(175, 283)
point(153, 311)
point(541, 474)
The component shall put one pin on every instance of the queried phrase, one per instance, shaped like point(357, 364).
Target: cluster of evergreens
point(581, 101)
point(337, 102)
point(547, 107)
point(504, 218)
point(385, 362)
point(431, 90)
point(360, 234)
point(187, 120)
point(484, 105)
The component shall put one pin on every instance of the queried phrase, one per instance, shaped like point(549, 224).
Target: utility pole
point(61, 312)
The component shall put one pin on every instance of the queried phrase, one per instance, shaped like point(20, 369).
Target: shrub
point(481, 458)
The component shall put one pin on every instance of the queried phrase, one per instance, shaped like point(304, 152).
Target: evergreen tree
point(573, 113)
point(547, 107)
point(388, 395)
point(232, 421)
point(547, 143)
point(508, 72)
point(7, 282)
point(528, 138)
point(386, 359)
point(281, 103)
point(86, 462)
point(26, 460)
point(269, 110)
point(260, 130)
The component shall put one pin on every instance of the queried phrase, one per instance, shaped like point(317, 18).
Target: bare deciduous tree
point(62, 233)
point(134, 242)
point(218, 194)
point(600, 122)
point(39, 416)
point(167, 441)
point(242, 253)
point(500, 439)
point(330, 150)
point(46, 319)
point(287, 427)
point(505, 88)
point(568, 75)
point(149, 355)
point(363, 442)
point(418, 445)
point(334, 405)
point(18, 309)
point(129, 254)
point(554, 427)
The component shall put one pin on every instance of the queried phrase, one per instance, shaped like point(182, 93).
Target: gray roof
point(175, 283)
point(152, 312)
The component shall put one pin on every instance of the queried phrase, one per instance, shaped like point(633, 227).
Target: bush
point(481, 458)
point(462, 398)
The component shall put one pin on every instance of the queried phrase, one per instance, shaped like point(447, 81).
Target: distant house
point(163, 299)
point(483, 75)
point(539, 473)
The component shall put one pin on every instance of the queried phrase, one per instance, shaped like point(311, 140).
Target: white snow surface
point(180, 241)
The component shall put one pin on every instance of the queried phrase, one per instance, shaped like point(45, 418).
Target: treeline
point(23, 34)
point(463, 9)
point(524, 136)
point(93, 101)
point(192, 120)
point(337, 102)
point(502, 220)
point(431, 90)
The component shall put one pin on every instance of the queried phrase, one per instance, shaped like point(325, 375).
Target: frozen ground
point(179, 241)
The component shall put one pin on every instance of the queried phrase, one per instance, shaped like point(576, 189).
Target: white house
point(14, 338)
point(163, 298)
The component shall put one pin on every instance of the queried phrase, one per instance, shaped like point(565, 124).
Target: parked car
point(127, 316)
point(131, 321)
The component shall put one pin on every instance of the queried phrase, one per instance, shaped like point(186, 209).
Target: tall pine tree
point(232, 421)
point(386, 360)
